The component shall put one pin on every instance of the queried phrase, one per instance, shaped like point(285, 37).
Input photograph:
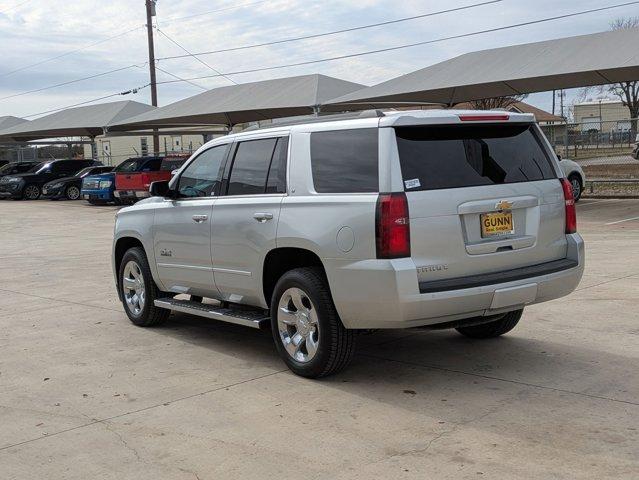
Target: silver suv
point(433, 219)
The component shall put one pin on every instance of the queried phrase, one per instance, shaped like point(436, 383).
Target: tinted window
point(202, 177)
point(345, 161)
point(462, 156)
point(250, 167)
point(152, 165)
point(130, 165)
point(170, 164)
point(276, 182)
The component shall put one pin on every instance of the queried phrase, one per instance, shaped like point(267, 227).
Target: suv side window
point(250, 167)
point(345, 161)
point(276, 182)
point(203, 175)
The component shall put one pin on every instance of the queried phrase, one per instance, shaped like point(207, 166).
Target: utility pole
point(150, 13)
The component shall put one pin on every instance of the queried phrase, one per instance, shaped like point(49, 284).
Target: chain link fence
point(605, 150)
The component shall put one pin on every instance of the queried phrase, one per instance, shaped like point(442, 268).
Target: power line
point(46, 60)
point(180, 78)
point(195, 57)
point(126, 92)
point(14, 7)
point(335, 32)
point(400, 47)
point(69, 82)
point(223, 9)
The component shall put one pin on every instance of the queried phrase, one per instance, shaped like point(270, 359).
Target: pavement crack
point(144, 409)
point(123, 441)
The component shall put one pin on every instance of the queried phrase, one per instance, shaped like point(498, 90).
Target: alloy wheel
point(31, 192)
point(576, 188)
point(298, 325)
point(133, 288)
point(73, 193)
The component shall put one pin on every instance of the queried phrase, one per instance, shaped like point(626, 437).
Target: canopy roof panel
point(246, 102)
point(9, 121)
point(79, 121)
point(584, 60)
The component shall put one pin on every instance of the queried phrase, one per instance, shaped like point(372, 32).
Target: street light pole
point(150, 13)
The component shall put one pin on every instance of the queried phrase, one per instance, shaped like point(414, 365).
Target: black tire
point(72, 192)
point(149, 315)
point(503, 324)
point(31, 192)
point(335, 344)
point(577, 187)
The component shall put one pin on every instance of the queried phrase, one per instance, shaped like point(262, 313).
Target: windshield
point(39, 167)
point(130, 165)
point(5, 168)
point(84, 172)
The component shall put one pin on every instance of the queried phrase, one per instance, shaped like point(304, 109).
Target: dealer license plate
point(496, 223)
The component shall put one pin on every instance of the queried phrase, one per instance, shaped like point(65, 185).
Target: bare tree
point(627, 92)
point(496, 102)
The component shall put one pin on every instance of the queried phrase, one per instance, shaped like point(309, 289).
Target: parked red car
point(133, 182)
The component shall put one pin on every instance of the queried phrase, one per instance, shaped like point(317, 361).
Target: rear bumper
point(386, 293)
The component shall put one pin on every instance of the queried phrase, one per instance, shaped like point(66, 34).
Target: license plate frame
point(504, 224)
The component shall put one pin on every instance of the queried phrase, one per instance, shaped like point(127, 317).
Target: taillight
point(571, 211)
point(392, 229)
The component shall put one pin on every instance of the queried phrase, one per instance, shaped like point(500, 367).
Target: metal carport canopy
point(246, 102)
point(584, 60)
point(85, 121)
point(10, 121)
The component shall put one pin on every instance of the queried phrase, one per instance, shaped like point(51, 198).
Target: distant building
point(605, 116)
point(113, 150)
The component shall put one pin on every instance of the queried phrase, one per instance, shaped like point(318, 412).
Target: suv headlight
point(105, 184)
point(13, 180)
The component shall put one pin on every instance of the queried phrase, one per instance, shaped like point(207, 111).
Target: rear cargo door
point(482, 198)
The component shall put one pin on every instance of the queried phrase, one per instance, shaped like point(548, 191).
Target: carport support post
point(94, 149)
point(70, 150)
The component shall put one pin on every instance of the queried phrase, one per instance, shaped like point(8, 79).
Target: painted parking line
point(622, 221)
point(594, 202)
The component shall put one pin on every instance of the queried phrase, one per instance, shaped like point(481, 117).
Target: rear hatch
point(482, 198)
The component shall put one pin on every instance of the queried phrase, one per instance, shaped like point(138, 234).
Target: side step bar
point(249, 318)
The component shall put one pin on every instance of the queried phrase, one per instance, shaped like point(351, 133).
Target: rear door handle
point(200, 218)
point(262, 216)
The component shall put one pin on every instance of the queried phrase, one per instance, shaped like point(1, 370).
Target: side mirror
point(559, 157)
point(160, 189)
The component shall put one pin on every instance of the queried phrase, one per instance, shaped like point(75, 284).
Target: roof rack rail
point(329, 117)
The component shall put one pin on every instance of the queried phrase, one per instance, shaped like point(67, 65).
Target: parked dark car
point(29, 185)
point(13, 168)
point(69, 187)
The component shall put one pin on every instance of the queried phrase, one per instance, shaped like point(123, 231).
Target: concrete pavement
point(85, 394)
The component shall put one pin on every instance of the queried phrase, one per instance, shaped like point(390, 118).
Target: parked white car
point(575, 175)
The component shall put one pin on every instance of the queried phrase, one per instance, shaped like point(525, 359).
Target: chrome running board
point(253, 318)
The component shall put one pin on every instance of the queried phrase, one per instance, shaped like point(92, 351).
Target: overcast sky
point(36, 30)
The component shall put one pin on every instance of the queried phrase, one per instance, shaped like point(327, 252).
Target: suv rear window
point(434, 157)
point(345, 161)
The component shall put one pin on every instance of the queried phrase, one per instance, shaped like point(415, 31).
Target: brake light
point(483, 118)
point(571, 211)
point(392, 229)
